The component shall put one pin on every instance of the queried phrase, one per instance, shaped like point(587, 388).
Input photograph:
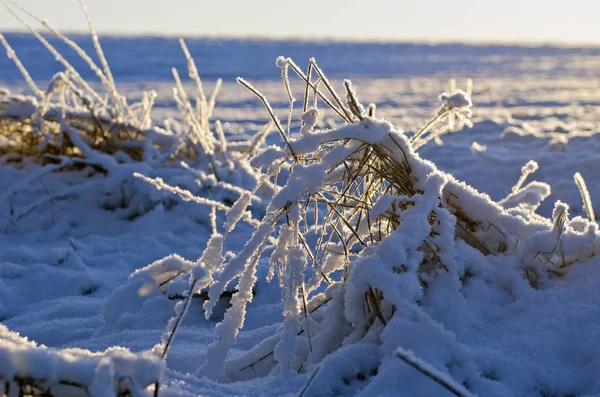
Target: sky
point(549, 21)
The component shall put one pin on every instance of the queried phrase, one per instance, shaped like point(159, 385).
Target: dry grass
point(341, 210)
point(43, 125)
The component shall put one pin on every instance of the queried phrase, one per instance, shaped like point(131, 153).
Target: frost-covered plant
point(73, 125)
point(56, 120)
point(359, 233)
point(585, 196)
point(528, 197)
point(456, 105)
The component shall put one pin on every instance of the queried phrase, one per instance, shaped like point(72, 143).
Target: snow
point(517, 316)
point(456, 99)
point(22, 358)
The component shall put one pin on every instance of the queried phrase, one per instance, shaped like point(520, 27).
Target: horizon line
point(527, 43)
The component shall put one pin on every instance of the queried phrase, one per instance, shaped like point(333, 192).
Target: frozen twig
point(585, 196)
point(426, 369)
point(12, 55)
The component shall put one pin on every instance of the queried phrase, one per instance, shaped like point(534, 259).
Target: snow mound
point(75, 371)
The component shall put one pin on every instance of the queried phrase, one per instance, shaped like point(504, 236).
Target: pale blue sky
point(575, 21)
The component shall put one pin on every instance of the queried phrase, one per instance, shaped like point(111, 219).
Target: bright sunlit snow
point(405, 235)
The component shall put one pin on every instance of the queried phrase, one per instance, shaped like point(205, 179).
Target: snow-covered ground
point(65, 265)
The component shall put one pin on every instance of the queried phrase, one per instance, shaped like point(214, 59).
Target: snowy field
point(484, 323)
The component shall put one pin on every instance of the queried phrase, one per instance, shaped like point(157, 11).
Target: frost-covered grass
point(70, 118)
point(363, 232)
point(72, 125)
point(393, 276)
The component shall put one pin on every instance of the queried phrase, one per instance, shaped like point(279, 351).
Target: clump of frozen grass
point(70, 124)
point(53, 122)
point(45, 124)
point(361, 230)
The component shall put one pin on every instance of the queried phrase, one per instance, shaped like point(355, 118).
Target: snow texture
point(94, 264)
